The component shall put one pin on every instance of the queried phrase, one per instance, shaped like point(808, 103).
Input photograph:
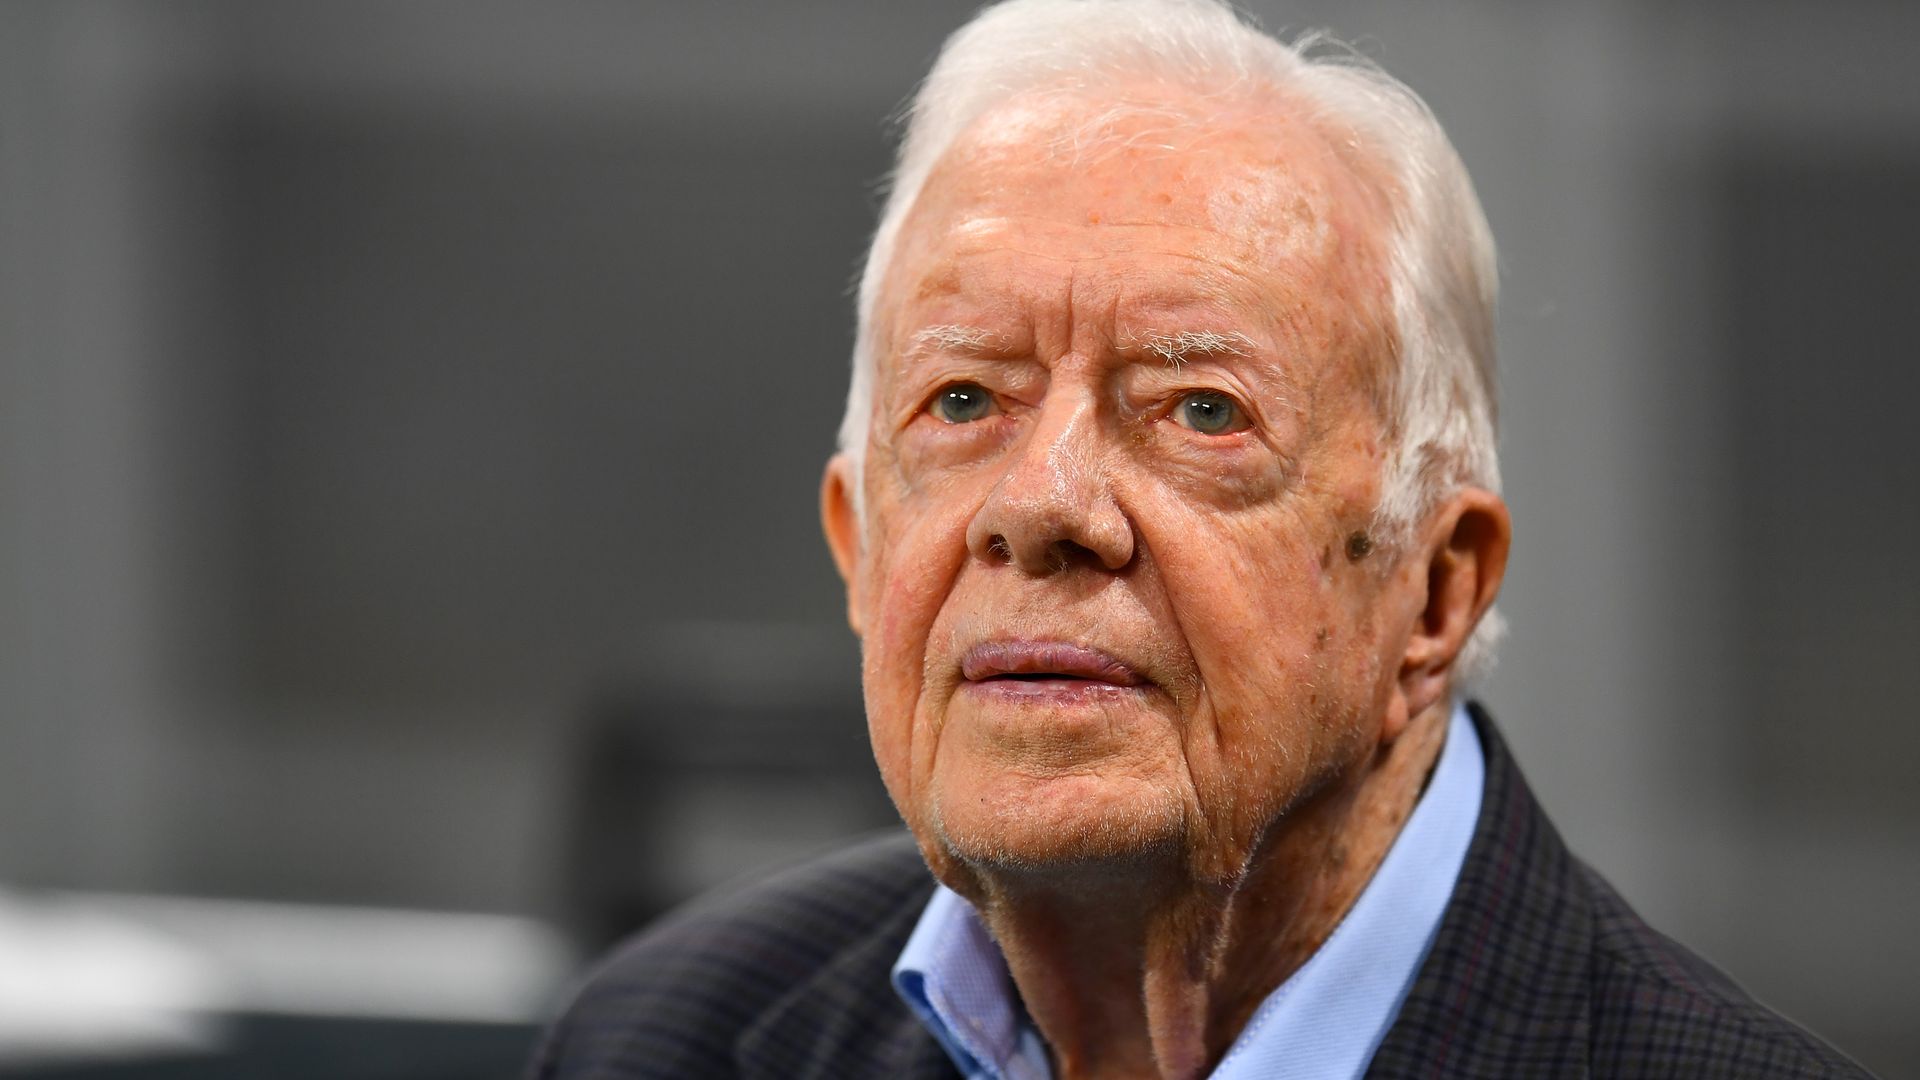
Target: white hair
point(1438, 394)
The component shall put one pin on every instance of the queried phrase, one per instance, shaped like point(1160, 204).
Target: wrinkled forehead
point(1210, 161)
point(1240, 178)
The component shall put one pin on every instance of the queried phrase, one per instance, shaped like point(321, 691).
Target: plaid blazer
point(1539, 969)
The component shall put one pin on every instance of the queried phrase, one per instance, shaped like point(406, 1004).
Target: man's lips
point(1034, 660)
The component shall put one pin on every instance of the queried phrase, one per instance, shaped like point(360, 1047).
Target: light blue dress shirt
point(1326, 1020)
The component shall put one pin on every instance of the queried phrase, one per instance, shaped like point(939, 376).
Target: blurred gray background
point(413, 415)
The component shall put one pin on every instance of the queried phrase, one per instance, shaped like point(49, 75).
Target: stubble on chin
point(1014, 838)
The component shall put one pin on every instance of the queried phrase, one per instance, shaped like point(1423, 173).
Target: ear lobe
point(842, 526)
point(1466, 558)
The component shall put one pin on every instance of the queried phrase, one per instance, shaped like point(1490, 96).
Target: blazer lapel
point(845, 1022)
point(1504, 990)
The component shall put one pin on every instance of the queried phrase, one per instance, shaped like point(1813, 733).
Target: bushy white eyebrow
point(1175, 348)
point(953, 337)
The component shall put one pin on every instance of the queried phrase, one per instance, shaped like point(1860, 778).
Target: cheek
point(1280, 644)
point(1250, 593)
point(915, 548)
point(915, 543)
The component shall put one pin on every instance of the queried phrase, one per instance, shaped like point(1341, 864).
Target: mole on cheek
point(1359, 545)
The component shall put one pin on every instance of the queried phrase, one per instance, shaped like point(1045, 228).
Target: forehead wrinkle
point(974, 237)
point(980, 269)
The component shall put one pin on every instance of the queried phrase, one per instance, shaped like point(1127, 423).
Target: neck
point(1131, 974)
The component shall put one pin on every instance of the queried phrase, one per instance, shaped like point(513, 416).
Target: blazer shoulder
point(674, 999)
point(1539, 968)
point(1660, 1009)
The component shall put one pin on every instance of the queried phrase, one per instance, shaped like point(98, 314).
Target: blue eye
point(1209, 413)
point(961, 403)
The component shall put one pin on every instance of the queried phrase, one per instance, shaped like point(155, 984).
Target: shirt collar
point(1327, 1019)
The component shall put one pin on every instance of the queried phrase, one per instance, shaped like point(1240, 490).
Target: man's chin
point(1063, 831)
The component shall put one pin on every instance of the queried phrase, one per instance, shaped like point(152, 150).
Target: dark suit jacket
point(1539, 970)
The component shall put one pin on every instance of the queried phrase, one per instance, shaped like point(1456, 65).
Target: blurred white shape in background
point(77, 983)
point(106, 975)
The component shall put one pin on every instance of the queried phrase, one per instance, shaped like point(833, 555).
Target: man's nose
point(1054, 505)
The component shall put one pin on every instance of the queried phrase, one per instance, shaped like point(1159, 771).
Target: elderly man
point(1166, 505)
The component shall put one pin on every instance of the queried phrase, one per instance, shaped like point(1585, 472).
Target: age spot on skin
point(1359, 545)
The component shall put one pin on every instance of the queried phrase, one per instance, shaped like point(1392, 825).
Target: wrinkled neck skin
point(1141, 971)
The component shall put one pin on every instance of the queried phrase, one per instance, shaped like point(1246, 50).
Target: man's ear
point(1465, 556)
point(842, 527)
